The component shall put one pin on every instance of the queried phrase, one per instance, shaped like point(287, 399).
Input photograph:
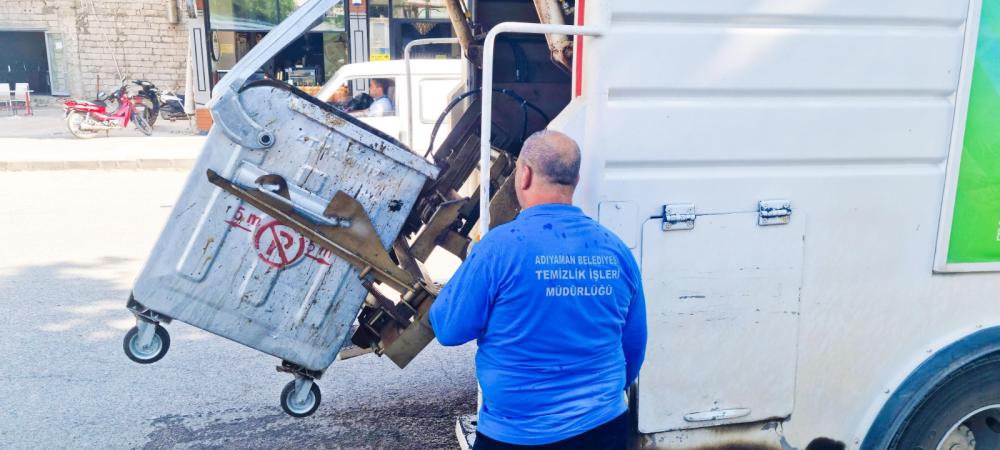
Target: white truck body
point(434, 81)
point(850, 112)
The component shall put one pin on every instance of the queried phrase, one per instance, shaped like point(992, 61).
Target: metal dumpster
point(226, 266)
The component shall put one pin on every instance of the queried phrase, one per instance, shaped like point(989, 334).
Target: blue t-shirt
point(555, 301)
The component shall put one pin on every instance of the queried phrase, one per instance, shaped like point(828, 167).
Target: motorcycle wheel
point(149, 111)
point(139, 119)
point(74, 121)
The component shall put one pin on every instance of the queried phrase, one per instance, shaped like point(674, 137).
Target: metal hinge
point(679, 216)
point(774, 212)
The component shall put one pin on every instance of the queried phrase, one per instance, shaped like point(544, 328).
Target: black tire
point(151, 115)
point(312, 402)
point(971, 388)
point(161, 343)
point(142, 124)
point(149, 109)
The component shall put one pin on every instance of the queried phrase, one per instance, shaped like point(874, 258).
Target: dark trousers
point(610, 436)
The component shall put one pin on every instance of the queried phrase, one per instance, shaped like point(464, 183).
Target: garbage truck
point(811, 188)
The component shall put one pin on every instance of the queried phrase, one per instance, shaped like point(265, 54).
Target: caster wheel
point(150, 353)
point(303, 408)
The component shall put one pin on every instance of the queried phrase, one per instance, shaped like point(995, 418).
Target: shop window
point(249, 15)
point(419, 9)
point(378, 30)
point(262, 15)
point(334, 52)
point(239, 25)
point(333, 21)
point(378, 8)
point(224, 49)
point(410, 30)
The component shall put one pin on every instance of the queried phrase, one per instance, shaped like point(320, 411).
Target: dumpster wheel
point(300, 397)
point(148, 353)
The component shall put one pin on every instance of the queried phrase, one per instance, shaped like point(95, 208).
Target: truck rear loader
point(812, 189)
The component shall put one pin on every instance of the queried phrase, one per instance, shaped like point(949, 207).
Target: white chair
point(21, 92)
point(5, 97)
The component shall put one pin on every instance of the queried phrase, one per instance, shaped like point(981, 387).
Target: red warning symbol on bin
point(278, 245)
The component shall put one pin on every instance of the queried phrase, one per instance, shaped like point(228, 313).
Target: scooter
point(172, 107)
point(86, 119)
point(151, 101)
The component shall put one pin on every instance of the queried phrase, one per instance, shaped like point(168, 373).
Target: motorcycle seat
point(100, 103)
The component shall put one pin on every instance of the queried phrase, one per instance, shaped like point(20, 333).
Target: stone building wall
point(136, 32)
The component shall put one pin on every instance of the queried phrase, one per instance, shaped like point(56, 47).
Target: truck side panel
point(844, 108)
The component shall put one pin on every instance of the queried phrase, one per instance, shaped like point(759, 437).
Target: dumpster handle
point(316, 217)
point(487, 100)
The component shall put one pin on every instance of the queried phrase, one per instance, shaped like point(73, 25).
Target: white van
point(434, 82)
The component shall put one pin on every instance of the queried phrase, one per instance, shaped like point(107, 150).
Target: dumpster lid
point(385, 144)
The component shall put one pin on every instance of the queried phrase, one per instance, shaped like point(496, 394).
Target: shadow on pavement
point(405, 425)
point(61, 328)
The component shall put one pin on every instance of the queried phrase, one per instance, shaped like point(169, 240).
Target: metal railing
point(487, 99)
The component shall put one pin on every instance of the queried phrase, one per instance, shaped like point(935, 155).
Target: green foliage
point(271, 11)
point(257, 10)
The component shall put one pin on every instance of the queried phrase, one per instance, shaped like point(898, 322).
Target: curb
point(133, 164)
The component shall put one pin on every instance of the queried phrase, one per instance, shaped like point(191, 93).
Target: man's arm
point(461, 310)
point(375, 110)
point(634, 332)
point(381, 107)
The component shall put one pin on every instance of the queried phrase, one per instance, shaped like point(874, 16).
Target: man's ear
point(526, 175)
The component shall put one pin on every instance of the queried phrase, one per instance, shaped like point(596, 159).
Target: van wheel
point(962, 413)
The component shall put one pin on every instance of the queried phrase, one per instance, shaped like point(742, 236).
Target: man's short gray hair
point(553, 154)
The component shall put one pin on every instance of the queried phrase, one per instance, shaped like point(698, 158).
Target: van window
point(381, 107)
point(354, 103)
point(434, 95)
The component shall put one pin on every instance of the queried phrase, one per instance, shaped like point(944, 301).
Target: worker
point(381, 105)
point(556, 305)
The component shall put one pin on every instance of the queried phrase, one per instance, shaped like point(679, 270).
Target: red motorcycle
point(86, 119)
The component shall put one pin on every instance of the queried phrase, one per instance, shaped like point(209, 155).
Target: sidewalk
point(42, 142)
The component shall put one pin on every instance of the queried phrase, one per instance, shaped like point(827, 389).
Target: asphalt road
point(71, 243)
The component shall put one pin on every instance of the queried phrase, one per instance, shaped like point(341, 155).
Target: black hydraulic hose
point(525, 104)
point(440, 119)
point(524, 122)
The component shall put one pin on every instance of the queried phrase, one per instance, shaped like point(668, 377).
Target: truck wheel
point(962, 413)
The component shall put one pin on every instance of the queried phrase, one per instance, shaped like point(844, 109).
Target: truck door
point(723, 306)
point(430, 98)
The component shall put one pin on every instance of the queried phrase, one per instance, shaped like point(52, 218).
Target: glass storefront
point(394, 23)
point(262, 15)
point(238, 25)
point(419, 9)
